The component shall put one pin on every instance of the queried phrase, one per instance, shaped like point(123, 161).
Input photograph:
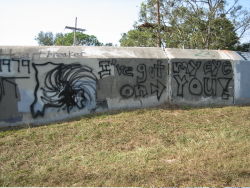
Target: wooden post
point(74, 30)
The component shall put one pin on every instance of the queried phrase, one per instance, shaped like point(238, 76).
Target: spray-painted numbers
point(19, 66)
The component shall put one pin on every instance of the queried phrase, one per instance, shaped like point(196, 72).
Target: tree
point(210, 24)
point(108, 44)
point(245, 47)
point(45, 39)
point(60, 39)
point(81, 39)
point(222, 34)
point(139, 37)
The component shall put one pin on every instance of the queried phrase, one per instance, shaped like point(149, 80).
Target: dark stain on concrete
point(9, 103)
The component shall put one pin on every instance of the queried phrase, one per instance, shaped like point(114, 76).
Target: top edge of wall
point(123, 52)
point(88, 51)
point(176, 53)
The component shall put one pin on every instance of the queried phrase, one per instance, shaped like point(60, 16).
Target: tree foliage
point(245, 47)
point(210, 24)
point(140, 38)
point(60, 39)
point(45, 38)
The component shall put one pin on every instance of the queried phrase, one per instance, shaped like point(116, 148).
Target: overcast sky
point(22, 20)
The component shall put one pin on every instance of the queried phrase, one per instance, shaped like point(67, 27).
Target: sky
point(22, 20)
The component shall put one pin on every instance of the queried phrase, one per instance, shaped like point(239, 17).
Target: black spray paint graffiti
point(105, 66)
point(20, 65)
point(147, 78)
point(12, 70)
point(11, 82)
point(207, 78)
point(128, 91)
point(65, 87)
point(156, 71)
point(147, 82)
point(157, 89)
point(8, 67)
point(124, 70)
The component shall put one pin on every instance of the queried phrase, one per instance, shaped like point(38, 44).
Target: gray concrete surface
point(46, 84)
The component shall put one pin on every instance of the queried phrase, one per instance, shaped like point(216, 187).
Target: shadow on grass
point(166, 106)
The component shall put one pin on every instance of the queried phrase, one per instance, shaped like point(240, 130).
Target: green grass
point(145, 147)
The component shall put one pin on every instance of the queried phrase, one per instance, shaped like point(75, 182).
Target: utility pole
point(75, 29)
point(158, 23)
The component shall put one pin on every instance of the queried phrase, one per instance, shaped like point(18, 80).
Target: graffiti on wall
point(43, 53)
point(64, 87)
point(137, 80)
point(10, 82)
point(15, 65)
point(212, 78)
point(12, 69)
point(72, 87)
point(59, 87)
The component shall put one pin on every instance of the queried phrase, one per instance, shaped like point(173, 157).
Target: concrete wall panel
point(242, 82)
point(46, 84)
point(40, 85)
point(202, 82)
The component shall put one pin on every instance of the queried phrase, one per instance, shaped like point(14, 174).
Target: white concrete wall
point(47, 84)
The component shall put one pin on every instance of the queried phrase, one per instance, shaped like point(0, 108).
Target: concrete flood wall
point(201, 77)
point(45, 84)
point(242, 78)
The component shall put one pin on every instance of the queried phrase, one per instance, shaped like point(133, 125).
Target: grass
point(145, 147)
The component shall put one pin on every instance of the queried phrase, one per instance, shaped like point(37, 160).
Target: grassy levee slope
point(145, 147)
